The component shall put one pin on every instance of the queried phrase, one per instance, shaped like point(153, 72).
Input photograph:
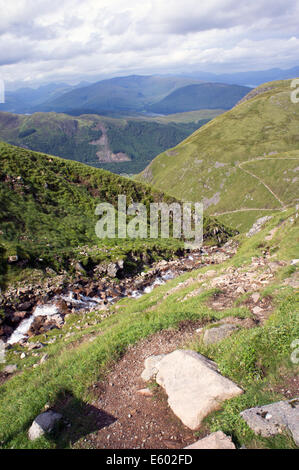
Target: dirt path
point(282, 204)
point(263, 183)
point(144, 422)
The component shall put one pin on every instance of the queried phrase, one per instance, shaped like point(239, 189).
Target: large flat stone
point(194, 386)
point(275, 418)
point(216, 440)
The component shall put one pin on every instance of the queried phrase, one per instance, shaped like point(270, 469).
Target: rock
point(255, 297)
point(145, 392)
point(10, 369)
point(216, 440)
point(151, 367)
point(194, 385)
point(112, 269)
point(22, 356)
point(13, 259)
point(32, 346)
point(17, 317)
point(257, 226)
point(213, 335)
point(295, 261)
point(51, 272)
point(26, 305)
point(240, 290)
point(79, 268)
point(273, 419)
point(43, 423)
point(257, 310)
point(44, 358)
point(57, 319)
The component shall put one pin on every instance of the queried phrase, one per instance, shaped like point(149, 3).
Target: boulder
point(216, 440)
point(151, 367)
point(193, 384)
point(213, 335)
point(10, 369)
point(43, 423)
point(275, 418)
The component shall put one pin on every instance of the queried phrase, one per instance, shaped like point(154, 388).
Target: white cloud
point(69, 39)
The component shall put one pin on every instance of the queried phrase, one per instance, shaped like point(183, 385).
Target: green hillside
point(202, 96)
point(243, 164)
point(48, 214)
point(120, 145)
point(89, 349)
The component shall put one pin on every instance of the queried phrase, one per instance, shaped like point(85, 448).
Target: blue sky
point(47, 40)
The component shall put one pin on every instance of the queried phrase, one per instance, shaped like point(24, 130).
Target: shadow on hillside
point(79, 420)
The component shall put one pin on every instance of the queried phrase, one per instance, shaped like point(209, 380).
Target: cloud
point(71, 39)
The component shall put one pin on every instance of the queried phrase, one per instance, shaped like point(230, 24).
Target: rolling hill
point(137, 94)
point(202, 96)
point(117, 95)
point(120, 145)
point(25, 100)
point(243, 164)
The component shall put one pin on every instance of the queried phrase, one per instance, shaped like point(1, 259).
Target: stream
point(100, 296)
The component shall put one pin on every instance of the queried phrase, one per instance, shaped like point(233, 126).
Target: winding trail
point(240, 166)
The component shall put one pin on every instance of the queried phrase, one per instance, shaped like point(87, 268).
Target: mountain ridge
point(258, 136)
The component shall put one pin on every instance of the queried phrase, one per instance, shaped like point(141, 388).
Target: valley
point(122, 145)
point(90, 326)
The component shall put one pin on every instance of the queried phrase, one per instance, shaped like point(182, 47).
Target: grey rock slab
point(213, 335)
point(43, 423)
point(194, 386)
point(273, 419)
point(216, 440)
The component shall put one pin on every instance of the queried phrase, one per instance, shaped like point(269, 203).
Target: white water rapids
point(86, 303)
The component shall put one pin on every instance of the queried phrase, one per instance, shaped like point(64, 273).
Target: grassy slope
point(47, 210)
point(205, 95)
point(141, 139)
point(256, 359)
point(209, 165)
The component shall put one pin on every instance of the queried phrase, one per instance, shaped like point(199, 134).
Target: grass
point(48, 216)
point(209, 166)
point(252, 358)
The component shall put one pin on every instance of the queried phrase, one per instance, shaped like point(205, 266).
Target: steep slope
point(242, 164)
point(48, 215)
point(119, 145)
point(203, 96)
point(89, 370)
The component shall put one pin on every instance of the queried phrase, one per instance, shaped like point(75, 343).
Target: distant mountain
point(26, 100)
point(250, 78)
point(117, 95)
point(243, 164)
point(202, 96)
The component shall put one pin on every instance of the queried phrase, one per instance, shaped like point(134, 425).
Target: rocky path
point(142, 418)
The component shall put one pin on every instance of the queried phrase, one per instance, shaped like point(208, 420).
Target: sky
point(69, 40)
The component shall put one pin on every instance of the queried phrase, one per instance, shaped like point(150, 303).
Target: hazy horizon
point(43, 41)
